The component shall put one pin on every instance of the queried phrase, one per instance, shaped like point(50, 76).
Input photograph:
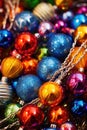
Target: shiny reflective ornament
point(63, 4)
point(45, 27)
point(44, 11)
point(10, 109)
point(67, 16)
point(11, 67)
point(82, 10)
point(47, 67)
point(5, 92)
point(59, 45)
point(50, 129)
point(25, 21)
point(81, 31)
point(58, 115)
point(82, 63)
point(78, 20)
point(59, 25)
point(78, 107)
point(77, 83)
point(42, 52)
point(67, 126)
point(31, 116)
point(27, 87)
point(26, 44)
point(6, 38)
point(30, 4)
point(50, 93)
point(29, 66)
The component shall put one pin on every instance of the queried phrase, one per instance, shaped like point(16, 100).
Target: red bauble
point(58, 115)
point(30, 66)
point(31, 116)
point(26, 44)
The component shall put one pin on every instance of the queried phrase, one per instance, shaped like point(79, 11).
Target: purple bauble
point(82, 10)
point(67, 126)
point(77, 83)
point(45, 27)
point(59, 25)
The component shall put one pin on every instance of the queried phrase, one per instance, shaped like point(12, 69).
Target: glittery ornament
point(44, 11)
point(77, 83)
point(59, 45)
point(10, 109)
point(82, 63)
point(58, 115)
point(25, 21)
point(26, 44)
point(11, 67)
point(51, 93)
point(31, 116)
point(78, 107)
point(82, 32)
point(27, 87)
point(67, 126)
point(47, 66)
point(29, 66)
point(6, 38)
point(78, 20)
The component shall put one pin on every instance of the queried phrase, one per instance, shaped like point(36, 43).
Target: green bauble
point(10, 109)
point(30, 4)
point(51, 1)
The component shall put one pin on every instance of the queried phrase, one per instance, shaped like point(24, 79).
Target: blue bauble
point(78, 107)
point(51, 129)
point(59, 45)
point(68, 15)
point(47, 66)
point(78, 20)
point(6, 38)
point(27, 87)
point(25, 21)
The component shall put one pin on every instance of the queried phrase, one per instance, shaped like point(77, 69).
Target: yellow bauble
point(11, 67)
point(82, 63)
point(82, 32)
point(51, 93)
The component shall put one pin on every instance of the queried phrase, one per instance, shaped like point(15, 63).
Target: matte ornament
point(77, 83)
point(67, 126)
point(58, 115)
point(47, 67)
point(51, 94)
point(59, 45)
point(6, 38)
point(5, 93)
point(31, 116)
point(78, 107)
point(44, 11)
point(11, 67)
point(26, 44)
point(10, 109)
point(27, 87)
point(25, 21)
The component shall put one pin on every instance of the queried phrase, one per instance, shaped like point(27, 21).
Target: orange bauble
point(58, 115)
point(81, 31)
point(51, 93)
point(82, 63)
point(11, 67)
point(30, 66)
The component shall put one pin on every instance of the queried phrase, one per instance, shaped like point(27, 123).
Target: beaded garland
point(44, 69)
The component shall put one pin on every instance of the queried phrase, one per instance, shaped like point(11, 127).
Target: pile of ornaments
point(33, 96)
